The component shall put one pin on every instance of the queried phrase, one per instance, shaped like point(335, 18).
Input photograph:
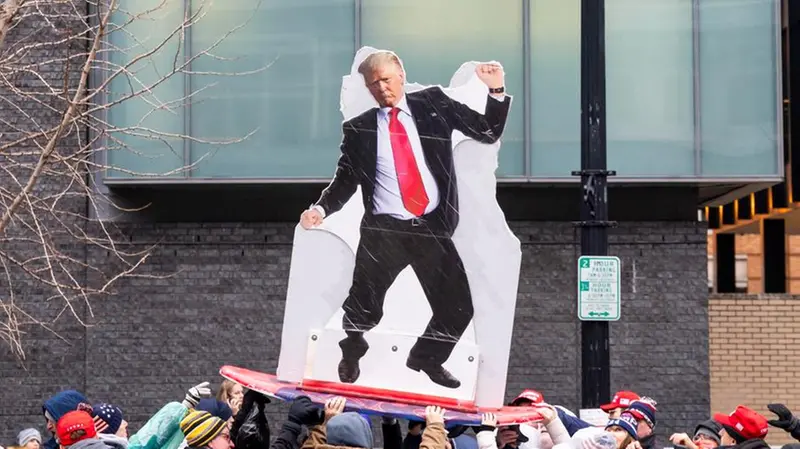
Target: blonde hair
point(379, 59)
point(225, 390)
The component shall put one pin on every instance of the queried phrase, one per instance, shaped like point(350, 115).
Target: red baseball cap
point(73, 422)
point(744, 421)
point(529, 395)
point(622, 399)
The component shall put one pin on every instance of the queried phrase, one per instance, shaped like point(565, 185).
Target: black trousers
point(382, 254)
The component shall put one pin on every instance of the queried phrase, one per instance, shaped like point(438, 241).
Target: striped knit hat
point(200, 428)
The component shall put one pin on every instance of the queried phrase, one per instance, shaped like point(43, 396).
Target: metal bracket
point(589, 191)
point(595, 172)
point(595, 224)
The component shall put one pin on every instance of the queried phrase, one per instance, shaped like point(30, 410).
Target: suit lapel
point(370, 136)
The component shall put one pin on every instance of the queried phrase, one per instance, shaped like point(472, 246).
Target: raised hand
point(489, 420)
point(434, 414)
point(491, 74)
point(305, 412)
point(784, 416)
point(548, 412)
point(682, 439)
point(310, 218)
point(196, 393)
point(334, 406)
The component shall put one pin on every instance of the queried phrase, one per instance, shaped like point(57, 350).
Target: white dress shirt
point(386, 198)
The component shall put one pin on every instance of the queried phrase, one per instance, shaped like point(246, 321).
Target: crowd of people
point(238, 419)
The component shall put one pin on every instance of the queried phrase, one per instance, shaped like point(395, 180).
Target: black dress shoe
point(437, 373)
point(349, 371)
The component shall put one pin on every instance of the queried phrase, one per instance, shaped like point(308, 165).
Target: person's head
point(217, 408)
point(527, 398)
point(623, 429)
point(741, 425)
point(349, 429)
point(29, 439)
point(645, 414)
point(230, 390)
point(73, 427)
point(621, 401)
point(707, 434)
point(58, 405)
point(384, 77)
point(108, 419)
point(202, 429)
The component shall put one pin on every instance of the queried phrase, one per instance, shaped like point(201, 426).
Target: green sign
point(599, 287)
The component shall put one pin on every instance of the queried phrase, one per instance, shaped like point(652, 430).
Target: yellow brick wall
point(750, 245)
point(754, 349)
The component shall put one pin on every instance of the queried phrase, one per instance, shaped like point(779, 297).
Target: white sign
point(599, 286)
point(594, 416)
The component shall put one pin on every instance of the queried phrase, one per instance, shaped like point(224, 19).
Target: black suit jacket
point(436, 116)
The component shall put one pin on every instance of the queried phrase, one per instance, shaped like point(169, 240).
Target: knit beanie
point(627, 422)
point(709, 428)
point(200, 428)
point(217, 408)
point(28, 435)
point(643, 410)
point(107, 418)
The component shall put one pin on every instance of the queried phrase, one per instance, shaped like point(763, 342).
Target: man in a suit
point(402, 157)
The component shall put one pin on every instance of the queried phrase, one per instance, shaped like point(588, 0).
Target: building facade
point(694, 93)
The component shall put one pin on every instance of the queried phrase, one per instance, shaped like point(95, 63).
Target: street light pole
point(594, 224)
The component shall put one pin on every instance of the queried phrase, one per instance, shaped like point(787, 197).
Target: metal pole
point(595, 366)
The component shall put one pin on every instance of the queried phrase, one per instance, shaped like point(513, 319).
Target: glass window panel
point(293, 105)
point(738, 87)
point(649, 87)
point(555, 87)
point(148, 118)
point(433, 38)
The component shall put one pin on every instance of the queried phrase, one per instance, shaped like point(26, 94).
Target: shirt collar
point(402, 105)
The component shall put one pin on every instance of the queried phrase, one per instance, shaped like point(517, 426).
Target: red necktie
point(411, 188)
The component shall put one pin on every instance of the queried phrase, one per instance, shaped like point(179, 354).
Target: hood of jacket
point(57, 406)
point(63, 402)
point(113, 441)
point(349, 430)
point(90, 443)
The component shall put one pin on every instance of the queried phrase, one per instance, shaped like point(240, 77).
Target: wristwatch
point(497, 90)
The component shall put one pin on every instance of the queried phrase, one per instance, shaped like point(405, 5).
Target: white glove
point(195, 393)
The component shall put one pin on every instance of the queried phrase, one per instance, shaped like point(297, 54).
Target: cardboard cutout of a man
point(401, 155)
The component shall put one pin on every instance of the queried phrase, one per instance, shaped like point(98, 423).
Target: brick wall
point(225, 306)
point(754, 340)
point(750, 245)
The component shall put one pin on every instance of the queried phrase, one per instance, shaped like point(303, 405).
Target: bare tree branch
point(64, 73)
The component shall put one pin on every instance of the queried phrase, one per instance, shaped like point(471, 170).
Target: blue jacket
point(572, 423)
